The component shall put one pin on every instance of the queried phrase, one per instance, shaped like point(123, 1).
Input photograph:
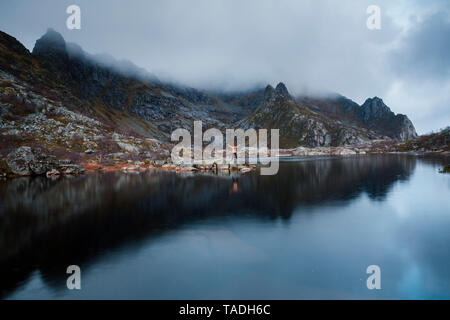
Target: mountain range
point(66, 101)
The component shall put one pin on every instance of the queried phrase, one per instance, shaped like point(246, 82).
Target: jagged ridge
point(303, 126)
point(63, 74)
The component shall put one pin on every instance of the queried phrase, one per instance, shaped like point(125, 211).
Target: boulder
point(65, 162)
point(128, 147)
point(19, 161)
point(117, 155)
point(158, 163)
point(25, 161)
point(41, 163)
point(71, 169)
point(344, 151)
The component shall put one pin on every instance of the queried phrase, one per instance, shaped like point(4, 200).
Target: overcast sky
point(313, 46)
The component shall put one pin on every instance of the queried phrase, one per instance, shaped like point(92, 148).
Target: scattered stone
point(25, 162)
point(40, 167)
point(117, 155)
point(326, 151)
point(52, 173)
point(128, 147)
point(345, 151)
point(72, 169)
point(131, 168)
point(158, 163)
point(65, 162)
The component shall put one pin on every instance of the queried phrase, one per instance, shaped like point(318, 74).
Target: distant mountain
point(52, 47)
point(63, 98)
point(373, 115)
point(379, 118)
point(127, 88)
point(301, 125)
point(64, 102)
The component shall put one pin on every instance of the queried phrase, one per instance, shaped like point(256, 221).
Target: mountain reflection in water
point(47, 225)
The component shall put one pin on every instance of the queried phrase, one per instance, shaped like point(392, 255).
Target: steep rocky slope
point(39, 112)
point(379, 118)
point(134, 92)
point(65, 104)
point(373, 115)
point(301, 126)
point(69, 104)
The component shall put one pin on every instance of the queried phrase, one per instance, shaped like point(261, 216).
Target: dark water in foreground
point(309, 232)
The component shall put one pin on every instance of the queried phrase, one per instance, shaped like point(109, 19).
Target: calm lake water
point(309, 232)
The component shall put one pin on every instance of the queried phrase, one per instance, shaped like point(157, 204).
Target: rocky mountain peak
point(12, 44)
point(376, 101)
point(379, 117)
point(283, 91)
point(122, 86)
point(269, 91)
point(51, 42)
point(279, 91)
point(374, 108)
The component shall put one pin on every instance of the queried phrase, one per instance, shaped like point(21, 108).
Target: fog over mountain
point(314, 47)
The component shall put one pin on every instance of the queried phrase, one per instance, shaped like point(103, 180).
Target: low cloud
point(424, 53)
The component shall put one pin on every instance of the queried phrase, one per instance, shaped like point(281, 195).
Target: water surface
point(309, 232)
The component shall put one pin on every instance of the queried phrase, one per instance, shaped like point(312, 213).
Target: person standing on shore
point(234, 148)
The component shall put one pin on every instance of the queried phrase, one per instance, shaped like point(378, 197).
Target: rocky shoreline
point(26, 161)
point(348, 151)
point(50, 125)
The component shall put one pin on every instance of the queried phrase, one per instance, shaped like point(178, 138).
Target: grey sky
point(313, 46)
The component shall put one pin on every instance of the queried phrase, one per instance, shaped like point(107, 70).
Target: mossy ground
point(4, 168)
point(446, 169)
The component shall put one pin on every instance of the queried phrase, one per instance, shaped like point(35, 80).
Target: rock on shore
point(327, 151)
point(25, 161)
